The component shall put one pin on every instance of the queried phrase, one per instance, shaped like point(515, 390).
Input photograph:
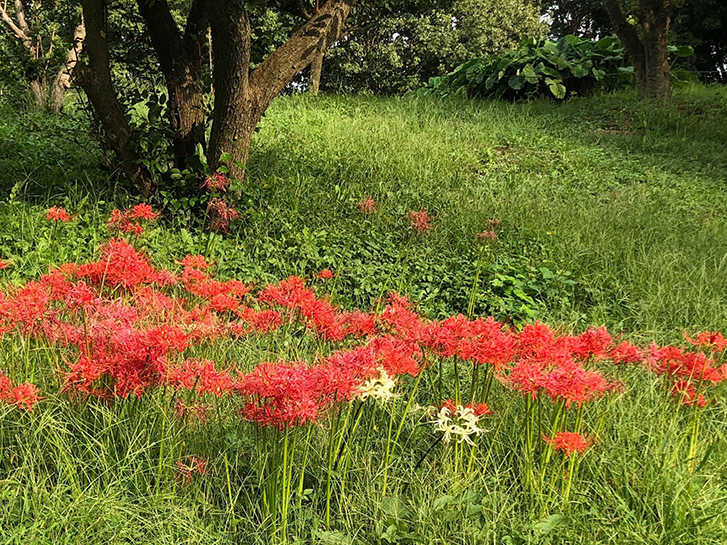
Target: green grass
point(613, 212)
point(622, 202)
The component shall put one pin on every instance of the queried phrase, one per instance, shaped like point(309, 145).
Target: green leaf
point(579, 71)
point(442, 501)
point(474, 510)
point(529, 73)
point(516, 82)
point(558, 90)
point(547, 524)
point(395, 507)
point(683, 50)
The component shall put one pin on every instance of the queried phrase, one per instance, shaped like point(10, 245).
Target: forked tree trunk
point(241, 100)
point(95, 79)
point(646, 44)
point(241, 97)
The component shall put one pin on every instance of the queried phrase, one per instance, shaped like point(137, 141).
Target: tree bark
point(180, 58)
point(62, 81)
point(655, 15)
point(646, 44)
point(316, 69)
point(95, 79)
point(235, 104)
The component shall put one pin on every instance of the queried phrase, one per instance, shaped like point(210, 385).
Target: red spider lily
point(194, 262)
point(358, 324)
point(673, 362)
point(122, 265)
point(326, 274)
point(486, 237)
point(708, 339)
point(221, 215)
point(128, 221)
point(569, 442)
point(687, 394)
point(537, 342)
point(320, 315)
point(419, 221)
point(143, 212)
point(625, 353)
point(23, 396)
point(479, 409)
point(573, 384)
point(594, 343)
point(200, 375)
point(263, 321)
point(527, 377)
point(189, 466)
point(283, 394)
point(400, 320)
point(480, 341)
point(343, 372)
point(26, 395)
point(57, 214)
point(4, 264)
point(217, 182)
point(396, 356)
point(367, 206)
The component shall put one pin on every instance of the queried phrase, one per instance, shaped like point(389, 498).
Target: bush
point(570, 65)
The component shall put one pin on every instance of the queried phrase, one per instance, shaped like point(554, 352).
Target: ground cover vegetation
point(318, 364)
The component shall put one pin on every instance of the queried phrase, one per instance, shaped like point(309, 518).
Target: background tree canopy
point(701, 24)
point(412, 41)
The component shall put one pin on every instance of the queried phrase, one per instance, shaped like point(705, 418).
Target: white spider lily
point(379, 388)
point(461, 424)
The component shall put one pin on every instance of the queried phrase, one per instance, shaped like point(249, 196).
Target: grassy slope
point(627, 198)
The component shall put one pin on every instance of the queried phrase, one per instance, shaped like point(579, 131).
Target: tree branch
point(63, 78)
point(271, 77)
point(231, 38)
point(95, 78)
point(624, 30)
point(20, 16)
point(194, 34)
point(19, 34)
point(165, 35)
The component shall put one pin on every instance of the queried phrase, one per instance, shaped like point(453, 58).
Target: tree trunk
point(655, 37)
point(236, 107)
point(316, 68)
point(646, 44)
point(95, 79)
point(180, 59)
point(39, 90)
point(63, 79)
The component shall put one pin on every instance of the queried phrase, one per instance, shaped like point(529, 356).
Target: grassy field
point(613, 212)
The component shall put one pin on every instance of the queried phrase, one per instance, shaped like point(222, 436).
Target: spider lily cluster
point(124, 328)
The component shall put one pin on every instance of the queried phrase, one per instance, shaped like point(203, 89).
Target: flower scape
point(120, 331)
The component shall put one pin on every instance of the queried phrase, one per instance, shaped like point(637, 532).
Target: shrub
point(570, 65)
